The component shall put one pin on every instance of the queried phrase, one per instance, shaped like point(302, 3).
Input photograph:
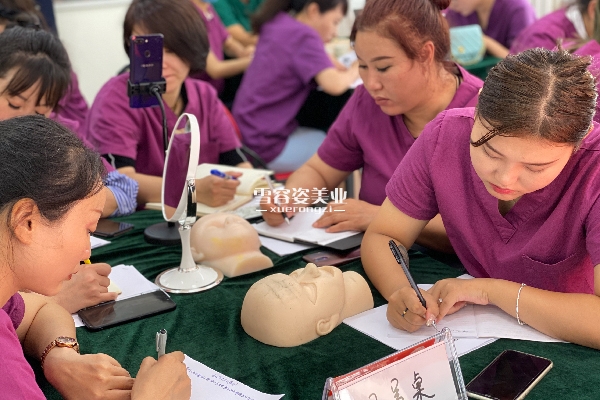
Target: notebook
point(301, 230)
point(250, 180)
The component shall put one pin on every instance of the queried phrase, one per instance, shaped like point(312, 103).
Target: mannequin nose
point(310, 272)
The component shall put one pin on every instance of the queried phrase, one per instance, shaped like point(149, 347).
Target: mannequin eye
point(311, 291)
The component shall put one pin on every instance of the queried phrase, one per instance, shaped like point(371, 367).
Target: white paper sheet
point(130, 281)
point(282, 248)
point(374, 323)
point(300, 228)
point(210, 384)
point(97, 242)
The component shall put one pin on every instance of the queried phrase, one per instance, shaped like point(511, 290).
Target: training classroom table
point(206, 326)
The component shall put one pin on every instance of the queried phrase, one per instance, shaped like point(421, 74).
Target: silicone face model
point(229, 243)
point(290, 310)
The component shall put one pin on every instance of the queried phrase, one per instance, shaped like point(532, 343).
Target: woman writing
point(290, 61)
point(132, 138)
point(407, 82)
point(50, 200)
point(516, 182)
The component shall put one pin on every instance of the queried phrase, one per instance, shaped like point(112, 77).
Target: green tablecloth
point(482, 68)
point(206, 326)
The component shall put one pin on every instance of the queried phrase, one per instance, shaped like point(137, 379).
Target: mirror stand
point(163, 233)
point(188, 277)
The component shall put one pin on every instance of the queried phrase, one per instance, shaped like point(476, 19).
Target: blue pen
point(220, 174)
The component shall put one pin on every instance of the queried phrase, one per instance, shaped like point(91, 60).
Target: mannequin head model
point(229, 243)
point(290, 310)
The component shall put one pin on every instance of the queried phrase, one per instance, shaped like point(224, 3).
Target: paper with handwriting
point(210, 384)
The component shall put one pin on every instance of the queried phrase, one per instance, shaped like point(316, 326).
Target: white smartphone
point(511, 376)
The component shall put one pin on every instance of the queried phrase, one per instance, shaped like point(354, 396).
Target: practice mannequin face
point(22, 104)
point(395, 82)
point(58, 248)
point(289, 310)
point(227, 242)
point(510, 167)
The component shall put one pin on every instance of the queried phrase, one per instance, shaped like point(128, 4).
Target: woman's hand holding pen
point(351, 215)
point(163, 379)
point(87, 376)
point(276, 218)
point(88, 287)
point(406, 312)
point(457, 293)
point(215, 191)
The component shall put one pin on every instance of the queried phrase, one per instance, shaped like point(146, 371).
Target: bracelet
point(518, 296)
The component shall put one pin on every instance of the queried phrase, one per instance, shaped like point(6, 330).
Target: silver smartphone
point(510, 376)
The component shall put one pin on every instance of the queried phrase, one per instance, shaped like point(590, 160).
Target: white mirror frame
point(181, 210)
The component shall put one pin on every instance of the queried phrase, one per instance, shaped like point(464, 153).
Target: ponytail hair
point(410, 24)
point(539, 93)
point(270, 8)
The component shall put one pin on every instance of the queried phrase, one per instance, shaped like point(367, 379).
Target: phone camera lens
point(147, 53)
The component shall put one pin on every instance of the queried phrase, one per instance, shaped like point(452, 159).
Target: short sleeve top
point(550, 239)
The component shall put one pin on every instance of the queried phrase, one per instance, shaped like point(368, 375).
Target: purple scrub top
point(550, 239)
point(288, 56)
point(365, 137)
point(17, 379)
point(507, 19)
point(217, 34)
point(115, 128)
point(545, 32)
point(73, 106)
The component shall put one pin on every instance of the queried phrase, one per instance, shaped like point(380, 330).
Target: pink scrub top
point(136, 133)
point(288, 56)
point(217, 35)
point(550, 239)
point(73, 106)
point(507, 19)
point(365, 137)
point(592, 48)
point(17, 380)
point(545, 32)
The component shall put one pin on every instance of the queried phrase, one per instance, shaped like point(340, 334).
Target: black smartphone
point(510, 376)
point(107, 228)
point(333, 258)
point(145, 66)
point(113, 313)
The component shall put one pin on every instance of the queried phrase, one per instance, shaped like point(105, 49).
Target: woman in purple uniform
point(574, 23)
point(517, 183)
point(500, 20)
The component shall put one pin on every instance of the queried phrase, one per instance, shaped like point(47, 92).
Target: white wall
point(92, 32)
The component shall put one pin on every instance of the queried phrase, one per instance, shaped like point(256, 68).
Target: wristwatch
point(61, 341)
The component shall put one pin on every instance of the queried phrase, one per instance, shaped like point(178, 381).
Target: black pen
point(411, 281)
point(283, 214)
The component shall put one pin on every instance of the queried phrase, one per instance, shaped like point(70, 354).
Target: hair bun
point(441, 4)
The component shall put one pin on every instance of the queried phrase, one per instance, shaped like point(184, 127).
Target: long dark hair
point(38, 56)
point(409, 23)
point(42, 160)
point(270, 8)
point(541, 93)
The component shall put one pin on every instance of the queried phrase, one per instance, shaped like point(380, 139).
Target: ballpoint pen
point(161, 342)
point(220, 174)
point(268, 179)
point(400, 260)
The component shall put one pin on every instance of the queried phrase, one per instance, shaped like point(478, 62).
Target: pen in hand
point(284, 215)
point(161, 342)
point(400, 260)
point(220, 174)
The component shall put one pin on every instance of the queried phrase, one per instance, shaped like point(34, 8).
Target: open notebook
point(301, 230)
point(250, 180)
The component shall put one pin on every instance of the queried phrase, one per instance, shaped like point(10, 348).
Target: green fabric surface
point(206, 326)
point(482, 68)
point(234, 12)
